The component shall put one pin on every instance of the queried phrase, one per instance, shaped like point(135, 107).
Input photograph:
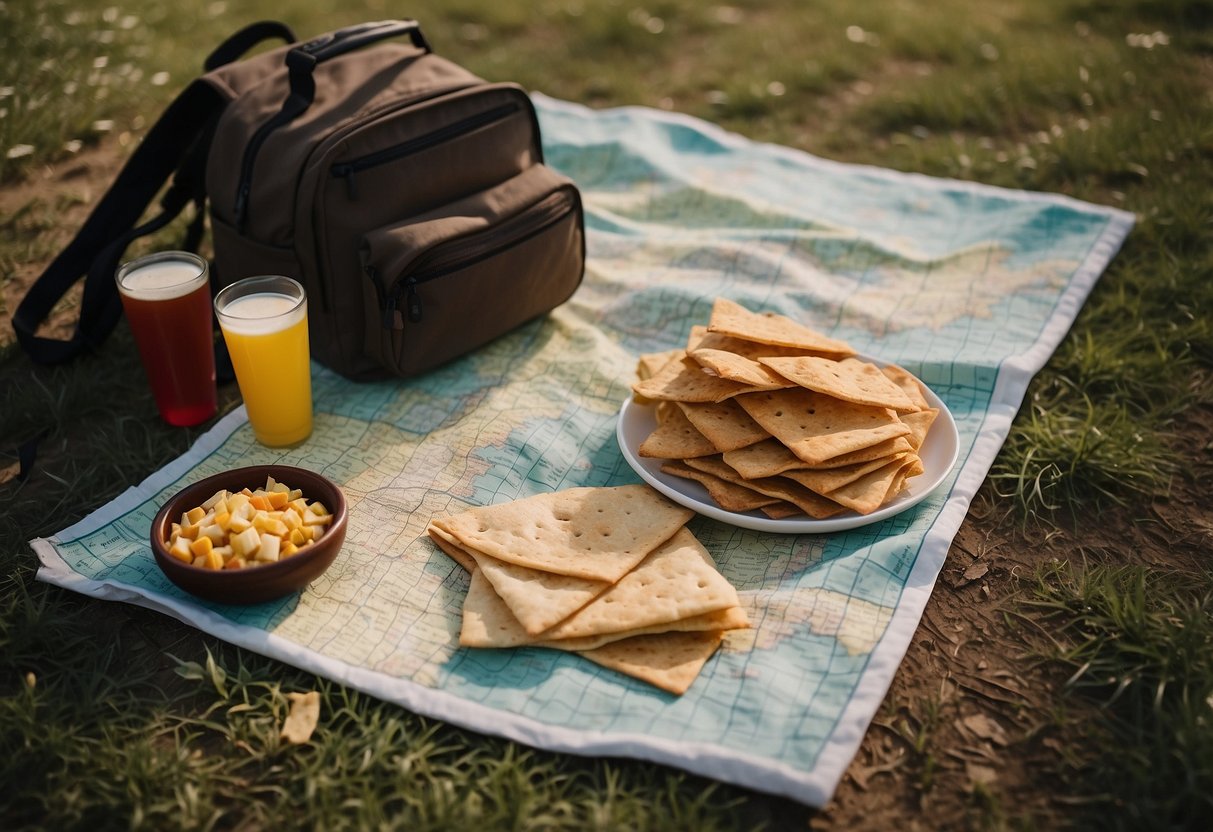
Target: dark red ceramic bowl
point(265, 582)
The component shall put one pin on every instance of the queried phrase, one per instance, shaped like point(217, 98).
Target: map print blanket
point(971, 288)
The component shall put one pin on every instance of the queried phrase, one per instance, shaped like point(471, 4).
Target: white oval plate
point(938, 453)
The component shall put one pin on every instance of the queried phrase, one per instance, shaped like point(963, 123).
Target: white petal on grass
point(18, 151)
point(729, 15)
point(160, 79)
point(104, 125)
point(73, 146)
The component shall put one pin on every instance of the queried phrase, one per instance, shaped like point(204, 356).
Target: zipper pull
point(413, 301)
point(392, 318)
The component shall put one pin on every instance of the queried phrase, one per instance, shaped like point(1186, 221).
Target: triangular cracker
point(675, 437)
point(752, 350)
point(730, 318)
point(920, 425)
point(725, 424)
point(539, 600)
point(867, 493)
point(851, 379)
point(909, 385)
point(763, 459)
point(816, 427)
point(448, 544)
point(676, 581)
point(596, 533)
point(685, 381)
point(489, 623)
point(729, 496)
point(670, 661)
point(811, 503)
point(737, 368)
point(827, 480)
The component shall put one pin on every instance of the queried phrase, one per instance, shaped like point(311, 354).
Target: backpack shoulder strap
point(100, 242)
point(176, 144)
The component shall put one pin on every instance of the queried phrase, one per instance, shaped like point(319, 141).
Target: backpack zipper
point(251, 150)
point(347, 170)
point(463, 253)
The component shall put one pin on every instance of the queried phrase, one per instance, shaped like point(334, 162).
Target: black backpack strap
point(177, 146)
point(244, 40)
point(98, 246)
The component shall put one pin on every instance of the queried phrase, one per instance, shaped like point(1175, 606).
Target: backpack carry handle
point(245, 39)
point(355, 37)
point(302, 60)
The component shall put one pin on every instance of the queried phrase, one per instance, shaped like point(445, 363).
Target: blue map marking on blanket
point(969, 287)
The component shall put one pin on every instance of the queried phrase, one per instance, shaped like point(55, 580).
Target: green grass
point(1141, 648)
point(115, 717)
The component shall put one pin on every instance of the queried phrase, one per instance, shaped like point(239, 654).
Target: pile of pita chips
point(612, 574)
point(770, 415)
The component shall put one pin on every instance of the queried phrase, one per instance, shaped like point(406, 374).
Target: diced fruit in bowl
point(250, 534)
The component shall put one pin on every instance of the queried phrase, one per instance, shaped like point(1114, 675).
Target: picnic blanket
point(969, 287)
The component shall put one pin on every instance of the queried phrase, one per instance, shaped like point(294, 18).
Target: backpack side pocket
point(450, 281)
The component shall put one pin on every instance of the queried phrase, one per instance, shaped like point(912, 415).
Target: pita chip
point(650, 364)
point(448, 544)
point(919, 424)
point(763, 459)
point(752, 350)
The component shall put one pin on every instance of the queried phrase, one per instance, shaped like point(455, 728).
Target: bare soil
point(975, 728)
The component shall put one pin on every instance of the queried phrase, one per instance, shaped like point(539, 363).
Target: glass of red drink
point(167, 300)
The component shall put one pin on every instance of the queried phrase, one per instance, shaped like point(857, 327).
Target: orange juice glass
point(264, 323)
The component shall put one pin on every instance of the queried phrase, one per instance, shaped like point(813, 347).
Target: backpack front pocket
point(447, 282)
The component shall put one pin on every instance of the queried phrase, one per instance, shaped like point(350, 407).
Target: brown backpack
point(407, 195)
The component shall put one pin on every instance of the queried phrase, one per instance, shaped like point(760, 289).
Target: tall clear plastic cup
point(264, 323)
point(167, 300)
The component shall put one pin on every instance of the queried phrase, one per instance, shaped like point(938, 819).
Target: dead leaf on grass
point(985, 728)
point(980, 775)
point(976, 570)
point(301, 721)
